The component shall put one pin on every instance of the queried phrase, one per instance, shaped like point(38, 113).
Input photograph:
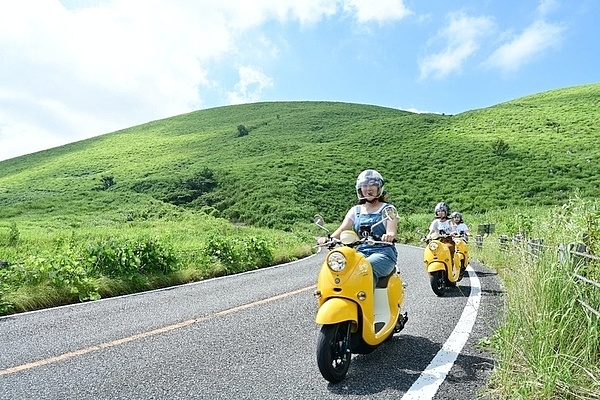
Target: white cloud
point(377, 11)
point(417, 110)
point(253, 13)
point(521, 49)
point(311, 11)
point(546, 7)
point(95, 70)
point(462, 37)
point(100, 66)
point(250, 86)
point(12, 134)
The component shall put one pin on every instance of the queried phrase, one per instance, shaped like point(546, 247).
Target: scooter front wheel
point(438, 282)
point(333, 351)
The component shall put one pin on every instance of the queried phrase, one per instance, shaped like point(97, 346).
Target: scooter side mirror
point(319, 220)
point(390, 213)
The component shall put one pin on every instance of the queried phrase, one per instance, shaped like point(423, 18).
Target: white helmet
point(369, 177)
point(441, 206)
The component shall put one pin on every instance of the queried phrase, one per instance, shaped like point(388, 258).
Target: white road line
point(428, 383)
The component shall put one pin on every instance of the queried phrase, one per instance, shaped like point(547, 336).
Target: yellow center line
point(143, 335)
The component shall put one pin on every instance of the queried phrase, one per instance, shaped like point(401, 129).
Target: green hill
point(272, 164)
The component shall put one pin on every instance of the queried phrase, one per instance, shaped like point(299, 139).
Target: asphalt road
point(249, 336)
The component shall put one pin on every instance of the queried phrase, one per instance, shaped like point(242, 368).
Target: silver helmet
point(370, 178)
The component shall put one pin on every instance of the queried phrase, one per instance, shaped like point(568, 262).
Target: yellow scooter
point(356, 315)
point(443, 268)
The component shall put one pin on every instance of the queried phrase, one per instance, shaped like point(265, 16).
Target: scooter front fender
point(436, 266)
point(336, 310)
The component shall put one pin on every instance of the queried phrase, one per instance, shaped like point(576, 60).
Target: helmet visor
point(370, 188)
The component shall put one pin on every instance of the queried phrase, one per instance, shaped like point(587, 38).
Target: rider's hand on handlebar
point(323, 240)
point(387, 237)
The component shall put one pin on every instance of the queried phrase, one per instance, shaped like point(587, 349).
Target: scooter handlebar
point(445, 235)
point(373, 241)
point(335, 241)
point(331, 243)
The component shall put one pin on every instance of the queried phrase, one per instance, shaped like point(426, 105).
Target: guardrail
point(482, 231)
point(582, 257)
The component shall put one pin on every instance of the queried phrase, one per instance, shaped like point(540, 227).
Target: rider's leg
point(451, 246)
point(382, 265)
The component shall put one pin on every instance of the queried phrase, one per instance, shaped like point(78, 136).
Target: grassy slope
point(302, 157)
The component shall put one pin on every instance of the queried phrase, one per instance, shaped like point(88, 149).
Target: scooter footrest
point(401, 323)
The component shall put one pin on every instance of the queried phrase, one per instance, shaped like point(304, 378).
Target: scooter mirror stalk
point(320, 222)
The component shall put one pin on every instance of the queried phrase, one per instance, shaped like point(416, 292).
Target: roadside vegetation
point(57, 265)
point(548, 346)
point(224, 190)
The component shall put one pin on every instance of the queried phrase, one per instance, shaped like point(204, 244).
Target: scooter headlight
point(336, 261)
point(433, 246)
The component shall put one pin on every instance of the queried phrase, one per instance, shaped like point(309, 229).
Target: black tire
point(437, 280)
point(333, 352)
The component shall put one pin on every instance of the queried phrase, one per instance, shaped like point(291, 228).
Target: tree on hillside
point(554, 125)
point(500, 147)
point(242, 130)
point(202, 182)
point(108, 181)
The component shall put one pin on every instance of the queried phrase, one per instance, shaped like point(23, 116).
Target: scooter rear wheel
point(333, 352)
point(438, 282)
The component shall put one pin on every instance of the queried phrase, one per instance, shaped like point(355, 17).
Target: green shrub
point(5, 306)
point(63, 270)
point(127, 258)
point(238, 254)
point(521, 224)
point(258, 252)
point(222, 249)
point(13, 235)
point(242, 130)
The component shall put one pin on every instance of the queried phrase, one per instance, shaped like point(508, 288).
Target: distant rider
point(459, 226)
point(441, 225)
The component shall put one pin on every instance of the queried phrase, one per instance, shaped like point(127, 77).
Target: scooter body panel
point(437, 257)
point(349, 295)
point(336, 310)
point(462, 248)
point(436, 266)
point(388, 303)
point(454, 270)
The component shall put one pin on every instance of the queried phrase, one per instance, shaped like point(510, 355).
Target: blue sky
point(74, 69)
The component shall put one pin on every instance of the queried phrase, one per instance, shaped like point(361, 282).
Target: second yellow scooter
point(443, 268)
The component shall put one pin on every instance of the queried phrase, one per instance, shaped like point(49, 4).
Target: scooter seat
point(383, 281)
